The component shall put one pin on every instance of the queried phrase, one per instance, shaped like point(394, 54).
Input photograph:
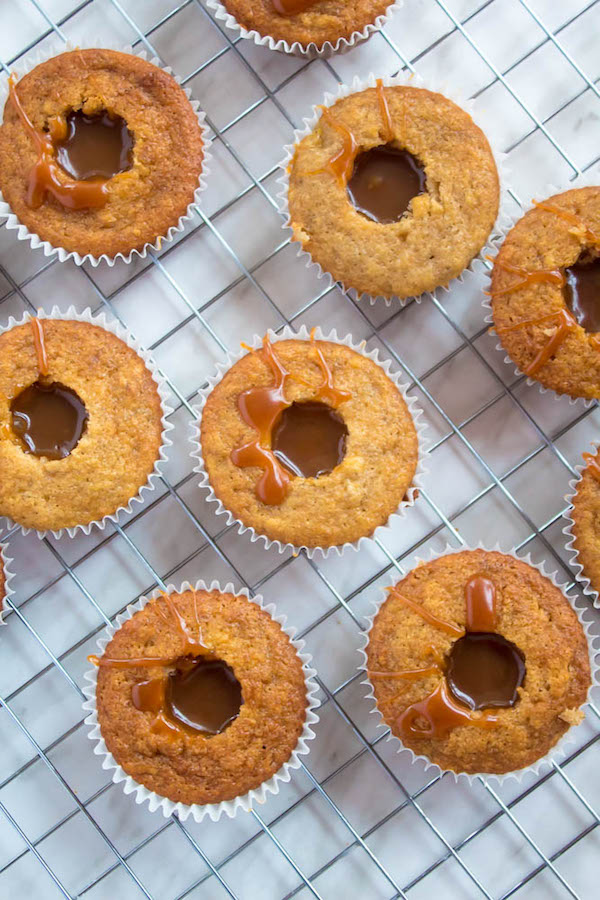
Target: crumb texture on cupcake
point(586, 521)
point(361, 492)
point(531, 613)
point(443, 228)
point(547, 335)
point(119, 445)
point(196, 768)
point(320, 22)
point(144, 201)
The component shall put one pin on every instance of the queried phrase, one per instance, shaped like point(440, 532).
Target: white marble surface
point(367, 787)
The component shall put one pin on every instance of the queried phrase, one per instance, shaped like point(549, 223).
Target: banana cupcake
point(478, 663)
point(583, 516)
point(101, 153)
point(81, 422)
point(393, 191)
point(545, 290)
point(309, 442)
point(202, 698)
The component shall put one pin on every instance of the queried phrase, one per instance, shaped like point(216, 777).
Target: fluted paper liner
point(24, 234)
point(309, 51)
point(584, 582)
point(559, 750)
point(114, 327)
point(550, 190)
point(243, 801)
point(357, 86)
point(5, 562)
point(304, 335)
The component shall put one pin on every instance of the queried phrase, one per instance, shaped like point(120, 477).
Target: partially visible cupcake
point(203, 699)
point(302, 26)
point(309, 443)
point(545, 289)
point(584, 528)
point(393, 191)
point(5, 578)
point(101, 152)
point(478, 663)
point(81, 422)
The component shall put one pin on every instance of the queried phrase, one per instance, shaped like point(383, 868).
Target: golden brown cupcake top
point(306, 22)
point(196, 737)
point(390, 143)
point(327, 462)
point(134, 116)
point(545, 285)
point(586, 516)
point(80, 423)
point(478, 662)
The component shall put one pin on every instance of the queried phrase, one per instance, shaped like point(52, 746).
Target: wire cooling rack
point(358, 819)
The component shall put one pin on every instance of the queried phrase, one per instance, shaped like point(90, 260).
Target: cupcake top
point(545, 288)
point(80, 423)
point(394, 191)
point(478, 662)
point(201, 696)
point(586, 515)
point(100, 151)
point(309, 443)
point(306, 21)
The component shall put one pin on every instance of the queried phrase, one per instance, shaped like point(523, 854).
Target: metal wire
point(445, 525)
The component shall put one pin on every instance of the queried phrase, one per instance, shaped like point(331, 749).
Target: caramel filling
point(582, 292)
point(384, 182)
point(485, 670)
point(262, 408)
point(292, 7)
point(75, 144)
point(49, 419)
point(309, 439)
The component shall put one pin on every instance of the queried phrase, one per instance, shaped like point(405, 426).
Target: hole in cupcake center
point(97, 146)
point(582, 291)
point(49, 419)
point(309, 439)
point(384, 182)
point(484, 669)
point(203, 694)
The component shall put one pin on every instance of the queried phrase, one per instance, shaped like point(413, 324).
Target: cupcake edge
point(583, 180)
point(124, 335)
point(24, 234)
point(579, 572)
point(308, 51)
point(5, 562)
point(556, 752)
point(243, 801)
point(303, 334)
point(358, 85)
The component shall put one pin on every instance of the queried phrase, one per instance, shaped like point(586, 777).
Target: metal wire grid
point(213, 880)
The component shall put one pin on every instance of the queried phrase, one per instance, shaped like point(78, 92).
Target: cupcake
point(202, 698)
point(81, 422)
point(544, 293)
point(100, 153)
point(5, 578)
point(583, 516)
point(478, 662)
point(304, 25)
point(394, 190)
point(308, 443)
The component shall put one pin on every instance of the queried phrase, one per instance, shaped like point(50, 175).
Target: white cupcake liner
point(361, 84)
point(24, 234)
point(308, 51)
point(196, 810)
point(124, 335)
point(560, 749)
point(550, 190)
point(304, 335)
point(5, 562)
point(578, 570)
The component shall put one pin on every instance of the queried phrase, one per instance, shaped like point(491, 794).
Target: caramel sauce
point(292, 7)
point(40, 346)
point(583, 293)
point(438, 714)
point(564, 323)
point(407, 674)
point(485, 670)
point(589, 236)
point(47, 176)
point(480, 597)
point(593, 465)
point(527, 277)
point(49, 419)
point(309, 439)
point(385, 111)
point(261, 408)
point(342, 162)
point(420, 610)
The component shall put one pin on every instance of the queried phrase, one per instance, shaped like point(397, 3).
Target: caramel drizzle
point(261, 406)
point(155, 688)
point(385, 110)
point(593, 467)
point(40, 345)
point(584, 230)
point(341, 163)
point(292, 7)
point(439, 711)
point(535, 276)
point(46, 175)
